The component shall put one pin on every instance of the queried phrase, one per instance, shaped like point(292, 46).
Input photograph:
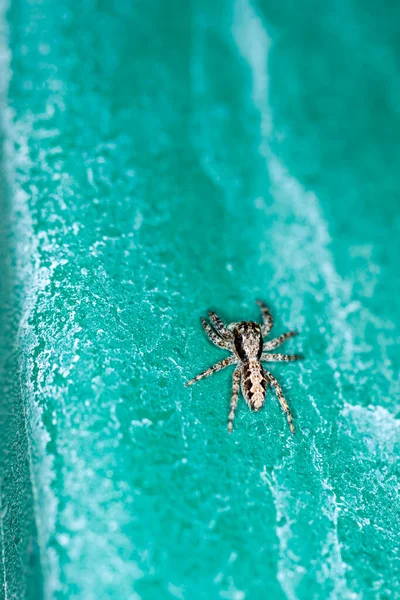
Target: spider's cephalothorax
point(245, 342)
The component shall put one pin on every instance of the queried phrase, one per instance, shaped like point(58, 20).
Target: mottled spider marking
point(254, 384)
point(245, 342)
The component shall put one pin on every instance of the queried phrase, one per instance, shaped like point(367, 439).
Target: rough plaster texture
point(160, 159)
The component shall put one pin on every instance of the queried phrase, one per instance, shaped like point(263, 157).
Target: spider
point(245, 341)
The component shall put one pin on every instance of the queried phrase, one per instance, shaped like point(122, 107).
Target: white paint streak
point(254, 45)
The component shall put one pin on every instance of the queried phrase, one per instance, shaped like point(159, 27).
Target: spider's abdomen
point(254, 384)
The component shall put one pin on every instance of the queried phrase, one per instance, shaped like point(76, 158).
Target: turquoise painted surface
point(158, 162)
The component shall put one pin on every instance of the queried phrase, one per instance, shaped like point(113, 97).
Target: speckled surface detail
point(158, 162)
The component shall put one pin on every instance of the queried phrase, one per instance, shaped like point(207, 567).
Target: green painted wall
point(161, 159)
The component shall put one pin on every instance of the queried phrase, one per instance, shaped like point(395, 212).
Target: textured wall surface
point(159, 159)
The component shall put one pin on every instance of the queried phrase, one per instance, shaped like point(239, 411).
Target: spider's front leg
point(219, 326)
point(280, 357)
point(278, 340)
point(214, 337)
point(267, 318)
point(237, 373)
point(217, 367)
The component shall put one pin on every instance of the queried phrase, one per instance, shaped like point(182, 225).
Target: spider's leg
point(214, 337)
point(272, 380)
point(267, 318)
point(237, 373)
point(219, 326)
point(221, 365)
point(279, 340)
point(280, 357)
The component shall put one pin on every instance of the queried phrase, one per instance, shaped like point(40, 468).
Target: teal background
point(160, 159)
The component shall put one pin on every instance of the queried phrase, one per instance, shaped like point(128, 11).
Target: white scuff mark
point(143, 423)
point(138, 221)
point(379, 429)
point(333, 568)
point(232, 593)
point(282, 499)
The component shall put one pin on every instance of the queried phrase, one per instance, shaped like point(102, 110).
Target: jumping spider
point(245, 341)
